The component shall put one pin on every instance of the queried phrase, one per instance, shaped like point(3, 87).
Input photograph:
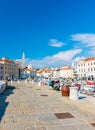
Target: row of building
point(10, 69)
point(82, 69)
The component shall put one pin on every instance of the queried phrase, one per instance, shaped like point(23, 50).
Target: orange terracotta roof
point(45, 69)
point(27, 69)
point(6, 60)
point(69, 68)
point(39, 71)
point(1, 61)
point(62, 67)
point(87, 59)
point(17, 62)
point(90, 59)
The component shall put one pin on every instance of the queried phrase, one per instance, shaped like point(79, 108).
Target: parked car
point(55, 84)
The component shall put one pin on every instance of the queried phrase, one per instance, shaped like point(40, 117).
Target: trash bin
point(65, 90)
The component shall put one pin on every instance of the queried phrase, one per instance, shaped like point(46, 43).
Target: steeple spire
point(23, 60)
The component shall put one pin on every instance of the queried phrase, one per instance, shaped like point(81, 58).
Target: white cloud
point(67, 55)
point(59, 59)
point(86, 39)
point(55, 43)
point(78, 58)
point(92, 51)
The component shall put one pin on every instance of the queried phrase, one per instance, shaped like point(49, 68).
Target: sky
point(51, 33)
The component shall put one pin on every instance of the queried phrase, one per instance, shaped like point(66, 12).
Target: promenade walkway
point(27, 106)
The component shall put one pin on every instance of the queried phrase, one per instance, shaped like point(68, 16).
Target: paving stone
point(47, 123)
point(69, 127)
point(73, 121)
point(23, 108)
point(5, 126)
point(84, 127)
point(46, 117)
point(35, 128)
point(22, 126)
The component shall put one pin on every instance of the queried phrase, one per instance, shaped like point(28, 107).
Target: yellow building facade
point(11, 69)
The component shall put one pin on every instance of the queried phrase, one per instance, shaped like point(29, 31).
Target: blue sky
point(51, 33)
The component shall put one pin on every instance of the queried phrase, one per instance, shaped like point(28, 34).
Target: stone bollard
point(11, 81)
point(32, 81)
point(18, 82)
point(25, 81)
point(74, 93)
point(39, 83)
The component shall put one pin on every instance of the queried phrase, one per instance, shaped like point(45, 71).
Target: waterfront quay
point(27, 106)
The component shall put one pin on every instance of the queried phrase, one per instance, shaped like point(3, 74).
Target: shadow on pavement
point(3, 97)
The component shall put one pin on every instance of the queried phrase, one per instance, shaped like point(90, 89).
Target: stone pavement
point(27, 106)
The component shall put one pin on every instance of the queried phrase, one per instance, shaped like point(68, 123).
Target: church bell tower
point(23, 60)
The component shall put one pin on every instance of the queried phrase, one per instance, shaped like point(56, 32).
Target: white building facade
point(56, 73)
point(86, 68)
point(66, 72)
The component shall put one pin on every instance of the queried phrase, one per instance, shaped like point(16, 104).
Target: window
point(91, 69)
point(1, 77)
point(1, 67)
